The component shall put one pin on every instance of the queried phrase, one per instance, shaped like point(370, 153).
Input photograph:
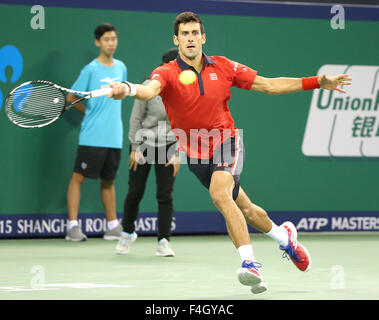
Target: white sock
point(278, 234)
point(246, 252)
point(112, 224)
point(72, 223)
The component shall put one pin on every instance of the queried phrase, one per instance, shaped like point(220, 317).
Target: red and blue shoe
point(294, 250)
point(249, 275)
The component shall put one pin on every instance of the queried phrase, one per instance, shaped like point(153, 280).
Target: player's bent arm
point(277, 85)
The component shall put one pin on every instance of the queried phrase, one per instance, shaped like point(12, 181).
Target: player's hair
point(186, 17)
point(101, 29)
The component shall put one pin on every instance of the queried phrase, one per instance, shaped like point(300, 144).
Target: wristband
point(310, 83)
point(132, 87)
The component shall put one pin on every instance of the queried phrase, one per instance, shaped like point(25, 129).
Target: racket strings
point(34, 111)
point(35, 104)
point(40, 105)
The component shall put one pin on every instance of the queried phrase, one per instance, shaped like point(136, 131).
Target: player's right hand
point(120, 90)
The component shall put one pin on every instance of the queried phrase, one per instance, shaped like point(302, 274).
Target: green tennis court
point(343, 267)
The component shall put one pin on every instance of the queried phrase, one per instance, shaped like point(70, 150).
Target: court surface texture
point(344, 267)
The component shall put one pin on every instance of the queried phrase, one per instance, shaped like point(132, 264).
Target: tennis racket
point(36, 104)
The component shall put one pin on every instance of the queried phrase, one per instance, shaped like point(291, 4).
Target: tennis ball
point(187, 77)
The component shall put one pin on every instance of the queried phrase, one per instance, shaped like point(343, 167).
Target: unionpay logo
point(345, 124)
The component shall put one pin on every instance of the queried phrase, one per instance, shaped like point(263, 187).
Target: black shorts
point(95, 162)
point(228, 157)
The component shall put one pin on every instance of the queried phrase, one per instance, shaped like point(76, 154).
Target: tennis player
point(200, 111)
point(101, 134)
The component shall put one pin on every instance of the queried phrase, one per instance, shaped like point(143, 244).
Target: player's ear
point(175, 40)
point(97, 43)
point(203, 38)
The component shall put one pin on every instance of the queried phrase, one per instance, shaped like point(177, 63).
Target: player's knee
point(219, 197)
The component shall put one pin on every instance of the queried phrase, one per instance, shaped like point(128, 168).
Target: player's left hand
point(175, 162)
point(333, 83)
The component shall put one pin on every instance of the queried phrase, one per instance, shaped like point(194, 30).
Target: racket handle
point(101, 92)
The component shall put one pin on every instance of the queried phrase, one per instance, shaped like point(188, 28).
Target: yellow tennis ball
point(187, 77)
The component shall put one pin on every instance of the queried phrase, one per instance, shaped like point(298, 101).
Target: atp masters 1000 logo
point(345, 125)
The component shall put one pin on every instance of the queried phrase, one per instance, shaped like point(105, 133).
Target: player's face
point(190, 39)
point(108, 43)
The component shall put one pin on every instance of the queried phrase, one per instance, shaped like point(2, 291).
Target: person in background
point(101, 134)
point(151, 142)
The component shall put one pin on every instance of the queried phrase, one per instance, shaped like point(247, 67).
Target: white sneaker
point(249, 275)
point(297, 252)
point(113, 234)
point(164, 249)
point(123, 245)
point(75, 234)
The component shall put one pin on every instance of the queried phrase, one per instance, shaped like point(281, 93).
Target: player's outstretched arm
point(288, 85)
point(143, 92)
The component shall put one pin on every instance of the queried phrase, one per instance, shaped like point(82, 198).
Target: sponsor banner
point(54, 225)
point(335, 221)
point(345, 124)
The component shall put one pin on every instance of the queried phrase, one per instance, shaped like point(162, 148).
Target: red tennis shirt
point(199, 112)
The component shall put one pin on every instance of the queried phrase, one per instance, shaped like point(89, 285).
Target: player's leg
point(285, 235)
point(221, 191)
point(258, 218)
point(108, 175)
point(226, 166)
point(229, 158)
